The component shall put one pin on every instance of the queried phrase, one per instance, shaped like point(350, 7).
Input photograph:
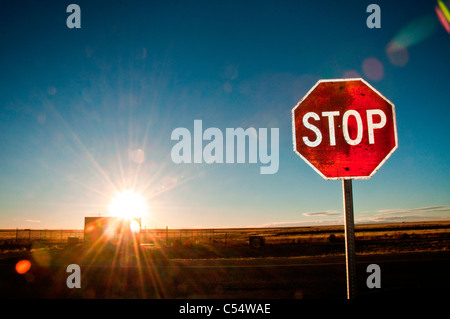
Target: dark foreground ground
point(149, 276)
point(294, 263)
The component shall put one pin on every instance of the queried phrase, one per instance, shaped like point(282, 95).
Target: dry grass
point(301, 241)
point(291, 241)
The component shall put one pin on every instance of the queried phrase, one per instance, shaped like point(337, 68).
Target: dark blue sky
point(79, 105)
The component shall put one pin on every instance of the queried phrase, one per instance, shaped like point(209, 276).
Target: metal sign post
point(345, 129)
point(350, 254)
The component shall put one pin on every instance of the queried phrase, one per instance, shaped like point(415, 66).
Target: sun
point(128, 205)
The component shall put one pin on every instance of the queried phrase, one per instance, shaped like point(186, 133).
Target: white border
point(347, 177)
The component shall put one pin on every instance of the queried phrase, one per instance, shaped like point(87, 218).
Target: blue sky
point(88, 112)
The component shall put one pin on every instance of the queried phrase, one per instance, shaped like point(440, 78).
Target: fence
point(147, 236)
point(53, 236)
point(171, 237)
point(158, 237)
point(237, 236)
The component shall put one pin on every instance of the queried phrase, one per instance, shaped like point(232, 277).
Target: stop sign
point(344, 129)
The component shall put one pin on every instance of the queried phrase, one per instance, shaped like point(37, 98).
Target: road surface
point(402, 276)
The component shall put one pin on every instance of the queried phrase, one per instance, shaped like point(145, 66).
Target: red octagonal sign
point(344, 129)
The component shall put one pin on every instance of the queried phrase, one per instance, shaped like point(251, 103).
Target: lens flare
point(397, 54)
point(444, 10)
point(134, 226)
point(373, 69)
point(443, 16)
point(138, 156)
point(350, 74)
point(23, 266)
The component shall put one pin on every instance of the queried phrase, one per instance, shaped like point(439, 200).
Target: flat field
point(250, 242)
point(288, 263)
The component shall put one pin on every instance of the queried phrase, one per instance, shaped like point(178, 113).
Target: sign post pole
point(350, 254)
point(345, 129)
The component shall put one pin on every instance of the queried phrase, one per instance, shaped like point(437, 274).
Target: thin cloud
point(308, 222)
point(33, 221)
point(431, 209)
point(324, 213)
point(299, 223)
point(431, 213)
point(401, 218)
point(281, 224)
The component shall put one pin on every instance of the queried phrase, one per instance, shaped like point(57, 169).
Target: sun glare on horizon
point(128, 205)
